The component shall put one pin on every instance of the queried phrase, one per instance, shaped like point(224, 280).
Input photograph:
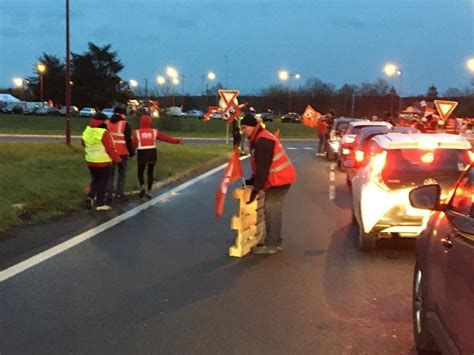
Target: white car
point(396, 164)
point(87, 112)
point(108, 112)
point(194, 114)
point(175, 111)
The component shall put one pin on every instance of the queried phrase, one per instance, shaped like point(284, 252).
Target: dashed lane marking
point(332, 192)
point(308, 148)
point(291, 148)
point(47, 254)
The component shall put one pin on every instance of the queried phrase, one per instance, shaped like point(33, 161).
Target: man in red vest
point(272, 172)
point(122, 135)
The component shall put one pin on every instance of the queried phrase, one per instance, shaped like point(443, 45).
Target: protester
point(236, 133)
point(272, 172)
point(100, 152)
point(144, 141)
point(122, 135)
point(323, 131)
point(388, 117)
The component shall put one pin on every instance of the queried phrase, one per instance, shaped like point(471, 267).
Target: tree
point(95, 77)
point(275, 91)
point(379, 87)
point(53, 79)
point(347, 90)
point(316, 88)
point(432, 93)
point(453, 92)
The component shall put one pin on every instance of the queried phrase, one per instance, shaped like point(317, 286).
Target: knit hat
point(100, 117)
point(249, 120)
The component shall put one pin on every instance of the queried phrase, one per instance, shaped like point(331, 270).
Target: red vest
point(146, 138)
point(117, 130)
point(282, 171)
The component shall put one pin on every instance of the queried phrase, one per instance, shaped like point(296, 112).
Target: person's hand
point(253, 196)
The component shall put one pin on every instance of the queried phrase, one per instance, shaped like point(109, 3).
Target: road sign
point(230, 105)
point(445, 108)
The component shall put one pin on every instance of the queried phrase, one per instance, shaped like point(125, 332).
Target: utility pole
point(68, 81)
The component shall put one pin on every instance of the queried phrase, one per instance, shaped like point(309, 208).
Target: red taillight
point(349, 138)
point(359, 156)
point(377, 163)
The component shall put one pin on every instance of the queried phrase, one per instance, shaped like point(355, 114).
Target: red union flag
point(211, 110)
point(232, 172)
point(310, 117)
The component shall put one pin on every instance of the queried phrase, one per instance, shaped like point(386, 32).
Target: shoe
point(103, 208)
point(121, 198)
point(148, 195)
point(142, 193)
point(264, 249)
point(89, 203)
point(108, 198)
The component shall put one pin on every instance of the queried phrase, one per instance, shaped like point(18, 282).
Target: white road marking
point(291, 148)
point(332, 192)
point(39, 258)
point(332, 176)
point(308, 148)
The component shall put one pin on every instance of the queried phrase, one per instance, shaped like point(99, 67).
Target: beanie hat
point(249, 120)
point(100, 116)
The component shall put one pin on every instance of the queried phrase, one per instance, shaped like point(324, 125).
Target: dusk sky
point(339, 41)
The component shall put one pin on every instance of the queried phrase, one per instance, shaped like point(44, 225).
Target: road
point(161, 282)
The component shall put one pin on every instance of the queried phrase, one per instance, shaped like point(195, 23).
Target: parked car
point(47, 111)
point(87, 112)
point(397, 163)
point(108, 112)
point(266, 116)
point(32, 108)
point(15, 107)
point(73, 109)
point(194, 114)
point(291, 117)
point(175, 111)
point(216, 115)
point(360, 154)
point(338, 129)
point(348, 139)
point(443, 282)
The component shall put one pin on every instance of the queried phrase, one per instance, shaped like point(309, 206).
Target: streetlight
point(133, 83)
point(210, 76)
point(160, 80)
point(391, 69)
point(18, 82)
point(41, 68)
point(470, 64)
point(285, 75)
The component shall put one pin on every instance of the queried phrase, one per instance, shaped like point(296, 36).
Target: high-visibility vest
point(146, 138)
point(282, 171)
point(94, 148)
point(117, 130)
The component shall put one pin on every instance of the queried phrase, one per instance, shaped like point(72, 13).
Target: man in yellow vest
point(272, 172)
point(100, 152)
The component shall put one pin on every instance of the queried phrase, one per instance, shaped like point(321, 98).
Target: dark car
point(266, 116)
point(443, 283)
point(338, 129)
point(291, 117)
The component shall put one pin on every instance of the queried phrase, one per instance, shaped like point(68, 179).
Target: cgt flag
point(277, 133)
point(232, 172)
point(310, 117)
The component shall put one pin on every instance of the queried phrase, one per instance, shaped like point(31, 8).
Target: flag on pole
point(232, 172)
point(210, 111)
point(428, 111)
point(310, 117)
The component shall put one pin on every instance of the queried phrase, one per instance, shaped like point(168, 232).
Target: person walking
point(122, 135)
point(100, 152)
point(144, 141)
point(273, 173)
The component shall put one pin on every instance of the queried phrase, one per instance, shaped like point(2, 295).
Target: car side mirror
point(426, 197)
point(349, 164)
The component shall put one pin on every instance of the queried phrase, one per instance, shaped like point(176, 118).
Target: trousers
point(274, 197)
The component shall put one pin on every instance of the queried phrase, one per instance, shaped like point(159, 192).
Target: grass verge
point(47, 180)
point(182, 127)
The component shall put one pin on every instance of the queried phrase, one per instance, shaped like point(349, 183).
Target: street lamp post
point(391, 70)
point(470, 67)
point(286, 76)
point(68, 80)
point(210, 76)
point(41, 69)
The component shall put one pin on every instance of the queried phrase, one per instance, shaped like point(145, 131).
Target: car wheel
point(424, 340)
point(366, 240)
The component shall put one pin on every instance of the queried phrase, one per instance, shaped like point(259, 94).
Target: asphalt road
point(161, 282)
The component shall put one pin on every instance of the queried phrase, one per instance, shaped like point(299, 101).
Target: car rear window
point(410, 167)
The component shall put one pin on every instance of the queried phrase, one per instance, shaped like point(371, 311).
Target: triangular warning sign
point(228, 96)
point(445, 108)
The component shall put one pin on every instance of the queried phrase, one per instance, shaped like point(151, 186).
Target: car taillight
point(427, 158)
point(377, 164)
point(349, 138)
point(359, 156)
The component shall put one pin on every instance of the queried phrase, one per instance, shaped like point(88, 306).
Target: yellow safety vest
point(95, 150)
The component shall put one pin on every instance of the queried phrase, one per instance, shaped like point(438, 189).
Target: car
point(397, 163)
point(216, 115)
point(175, 111)
point(443, 282)
point(47, 111)
point(73, 109)
point(359, 155)
point(194, 114)
point(291, 117)
point(348, 139)
point(338, 129)
point(108, 112)
point(266, 116)
point(87, 112)
point(15, 107)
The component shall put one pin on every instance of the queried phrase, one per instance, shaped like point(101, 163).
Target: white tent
point(8, 98)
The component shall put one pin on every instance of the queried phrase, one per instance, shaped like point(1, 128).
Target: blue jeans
point(322, 143)
point(122, 171)
point(274, 197)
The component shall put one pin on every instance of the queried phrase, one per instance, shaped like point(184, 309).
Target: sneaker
point(89, 203)
point(103, 208)
point(265, 249)
point(121, 198)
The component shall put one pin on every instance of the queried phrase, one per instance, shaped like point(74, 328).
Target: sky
point(247, 42)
